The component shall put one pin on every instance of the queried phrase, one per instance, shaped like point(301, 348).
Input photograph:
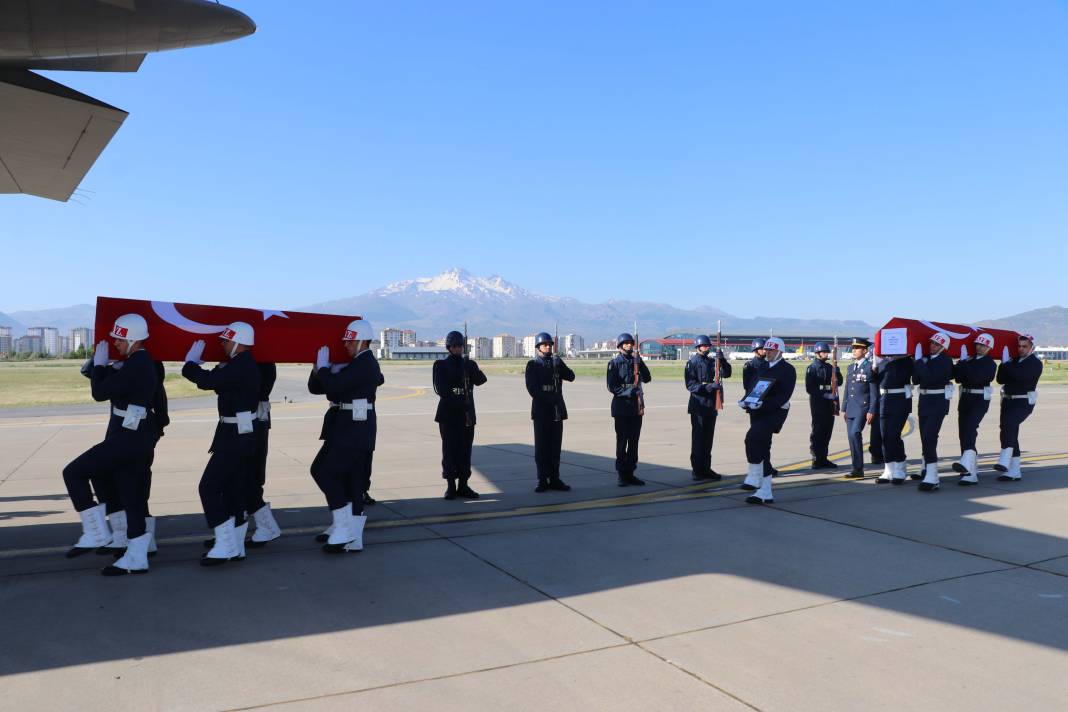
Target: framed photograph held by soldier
point(756, 395)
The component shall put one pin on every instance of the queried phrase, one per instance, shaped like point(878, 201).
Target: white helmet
point(941, 339)
point(240, 333)
point(359, 330)
point(774, 344)
point(131, 327)
point(985, 340)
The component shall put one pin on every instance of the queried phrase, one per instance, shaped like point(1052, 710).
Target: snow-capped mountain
point(492, 305)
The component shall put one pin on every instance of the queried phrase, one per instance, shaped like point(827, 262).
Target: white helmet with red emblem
point(131, 327)
point(239, 332)
point(985, 340)
point(359, 330)
point(941, 339)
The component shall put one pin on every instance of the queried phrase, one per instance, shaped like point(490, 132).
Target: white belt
point(932, 391)
point(826, 388)
point(892, 391)
point(243, 421)
point(1030, 395)
point(548, 388)
point(974, 391)
point(263, 411)
point(132, 416)
point(348, 406)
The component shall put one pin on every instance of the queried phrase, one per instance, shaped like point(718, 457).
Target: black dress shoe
point(253, 544)
point(773, 472)
point(334, 549)
point(896, 481)
point(116, 571)
point(957, 467)
point(450, 489)
point(915, 476)
point(543, 486)
point(753, 499)
point(209, 543)
point(855, 474)
point(321, 538)
point(558, 485)
point(205, 561)
point(1001, 468)
point(466, 492)
point(368, 499)
point(748, 487)
point(710, 477)
point(633, 481)
point(113, 551)
point(927, 487)
point(78, 551)
point(1006, 478)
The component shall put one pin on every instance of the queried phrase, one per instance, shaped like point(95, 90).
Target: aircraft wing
point(50, 135)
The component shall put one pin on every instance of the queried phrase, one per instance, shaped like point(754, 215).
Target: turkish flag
point(280, 336)
point(919, 331)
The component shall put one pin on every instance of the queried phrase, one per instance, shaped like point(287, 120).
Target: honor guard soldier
point(767, 414)
point(120, 464)
point(544, 380)
point(822, 398)
point(701, 382)
point(625, 376)
point(893, 374)
point(750, 370)
point(974, 376)
point(266, 527)
point(223, 486)
point(350, 428)
point(860, 404)
point(455, 378)
point(933, 375)
point(1019, 393)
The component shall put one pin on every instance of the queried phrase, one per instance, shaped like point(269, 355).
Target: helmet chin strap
point(233, 349)
point(129, 345)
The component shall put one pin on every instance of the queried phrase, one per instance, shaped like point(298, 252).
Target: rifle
point(719, 377)
point(556, 372)
point(467, 383)
point(834, 376)
point(637, 371)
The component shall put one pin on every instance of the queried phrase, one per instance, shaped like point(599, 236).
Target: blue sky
point(850, 160)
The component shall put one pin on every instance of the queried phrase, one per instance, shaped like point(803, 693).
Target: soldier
point(266, 527)
point(766, 418)
point(750, 370)
point(974, 376)
point(350, 429)
point(120, 464)
point(893, 374)
point(544, 375)
point(454, 380)
point(700, 377)
point(933, 374)
point(223, 486)
point(822, 397)
point(860, 405)
point(1019, 393)
point(625, 375)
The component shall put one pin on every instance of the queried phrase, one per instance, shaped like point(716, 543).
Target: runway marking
point(674, 494)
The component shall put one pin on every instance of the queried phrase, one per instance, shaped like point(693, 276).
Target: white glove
point(742, 405)
point(118, 365)
point(1005, 354)
point(756, 406)
point(335, 367)
point(964, 352)
point(919, 352)
point(195, 352)
point(322, 359)
point(100, 354)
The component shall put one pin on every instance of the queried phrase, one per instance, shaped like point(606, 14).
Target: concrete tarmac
point(842, 595)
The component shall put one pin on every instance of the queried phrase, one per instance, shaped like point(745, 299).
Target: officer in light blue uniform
point(933, 375)
point(821, 378)
point(700, 379)
point(974, 376)
point(625, 375)
point(860, 403)
point(1019, 393)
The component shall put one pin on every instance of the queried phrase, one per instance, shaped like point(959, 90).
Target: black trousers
point(457, 439)
point(758, 441)
point(970, 414)
point(1013, 414)
point(702, 434)
point(930, 426)
point(891, 425)
point(819, 439)
point(855, 430)
point(343, 473)
point(767, 461)
point(115, 470)
point(223, 484)
point(875, 440)
point(628, 433)
point(257, 476)
point(548, 440)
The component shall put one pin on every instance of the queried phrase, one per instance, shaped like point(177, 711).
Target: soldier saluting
point(821, 378)
point(454, 380)
point(625, 375)
point(544, 380)
point(1019, 393)
point(933, 374)
point(860, 405)
point(974, 376)
point(705, 389)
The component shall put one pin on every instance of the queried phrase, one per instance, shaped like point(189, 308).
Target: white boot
point(225, 547)
point(762, 495)
point(357, 523)
point(1004, 460)
point(150, 527)
point(324, 535)
point(897, 472)
point(888, 472)
point(266, 527)
point(95, 531)
point(753, 476)
point(969, 461)
point(117, 523)
point(342, 529)
point(1014, 471)
point(239, 540)
point(930, 477)
point(134, 561)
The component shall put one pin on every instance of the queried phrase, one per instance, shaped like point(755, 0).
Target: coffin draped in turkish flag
point(281, 336)
point(918, 331)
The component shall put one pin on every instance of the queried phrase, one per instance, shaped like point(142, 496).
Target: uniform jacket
point(546, 388)
point(700, 376)
point(137, 382)
point(818, 385)
point(1020, 376)
point(620, 380)
point(933, 372)
point(777, 398)
point(237, 386)
point(358, 379)
point(892, 375)
point(750, 372)
point(448, 375)
point(975, 373)
point(861, 391)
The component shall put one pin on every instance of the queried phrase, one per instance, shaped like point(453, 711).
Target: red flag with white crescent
point(904, 334)
point(280, 336)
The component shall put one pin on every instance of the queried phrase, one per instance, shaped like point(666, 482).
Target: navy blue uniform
point(750, 372)
point(626, 395)
point(233, 455)
point(821, 400)
point(974, 377)
point(700, 377)
point(861, 400)
point(894, 377)
point(342, 467)
point(932, 373)
point(768, 420)
point(258, 475)
point(544, 381)
point(117, 467)
point(454, 381)
point(1018, 378)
